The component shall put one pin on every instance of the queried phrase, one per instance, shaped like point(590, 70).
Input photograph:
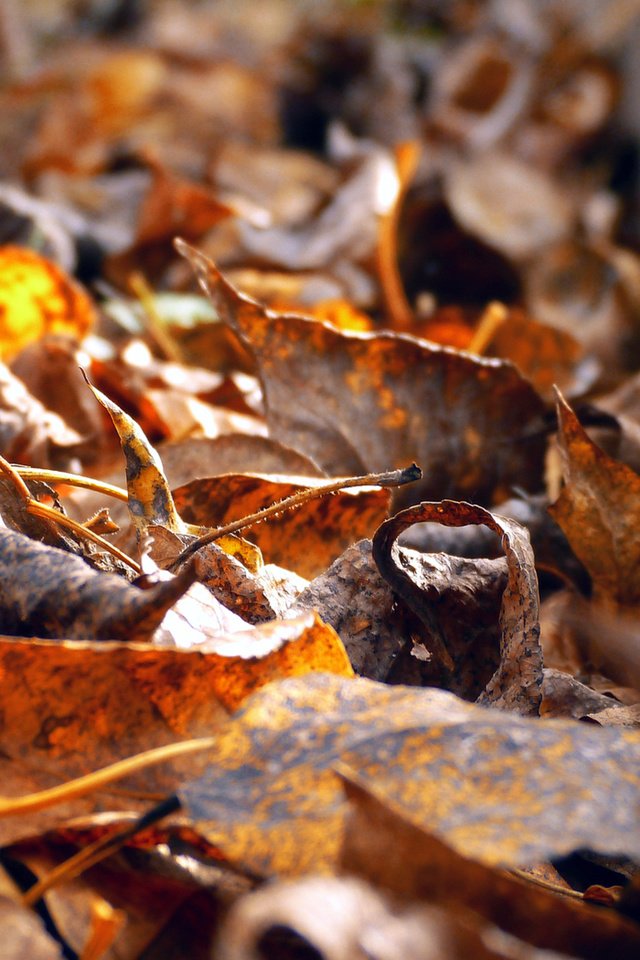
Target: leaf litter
point(282, 650)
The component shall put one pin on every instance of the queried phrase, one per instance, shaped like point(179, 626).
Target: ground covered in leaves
point(319, 489)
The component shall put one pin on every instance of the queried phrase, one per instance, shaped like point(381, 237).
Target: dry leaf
point(150, 500)
point(599, 513)
point(498, 788)
point(47, 592)
point(306, 540)
point(37, 297)
point(516, 683)
point(384, 847)
point(367, 402)
point(29, 432)
point(361, 608)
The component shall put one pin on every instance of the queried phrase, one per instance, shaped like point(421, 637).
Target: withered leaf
point(360, 606)
point(599, 511)
point(74, 706)
point(516, 683)
point(195, 457)
point(386, 848)
point(306, 540)
point(498, 788)
point(365, 402)
point(256, 593)
point(28, 431)
point(47, 592)
point(150, 499)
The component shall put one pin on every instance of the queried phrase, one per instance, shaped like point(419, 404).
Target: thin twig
point(546, 884)
point(393, 478)
point(53, 517)
point(91, 782)
point(106, 924)
point(98, 850)
point(72, 480)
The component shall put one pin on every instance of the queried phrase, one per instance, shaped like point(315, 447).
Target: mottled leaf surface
point(48, 592)
point(367, 402)
point(384, 847)
point(498, 788)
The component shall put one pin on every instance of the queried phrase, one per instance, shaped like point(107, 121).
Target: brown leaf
point(256, 594)
point(385, 847)
point(29, 432)
point(48, 592)
point(197, 457)
point(306, 540)
point(516, 683)
point(360, 606)
point(498, 788)
point(544, 354)
point(599, 511)
point(368, 402)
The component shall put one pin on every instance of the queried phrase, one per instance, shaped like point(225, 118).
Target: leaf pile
point(319, 453)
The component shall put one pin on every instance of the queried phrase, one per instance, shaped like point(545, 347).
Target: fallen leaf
point(598, 511)
point(367, 402)
point(28, 431)
point(150, 500)
point(306, 540)
point(48, 592)
point(383, 846)
point(37, 297)
point(498, 788)
point(360, 606)
point(516, 683)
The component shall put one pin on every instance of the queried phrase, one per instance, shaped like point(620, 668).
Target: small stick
point(97, 851)
point(393, 478)
point(52, 517)
point(91, 782)
point(72, 480)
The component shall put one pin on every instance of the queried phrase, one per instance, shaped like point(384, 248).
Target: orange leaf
point(37, 297)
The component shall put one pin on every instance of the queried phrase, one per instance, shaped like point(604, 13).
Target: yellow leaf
point(36, 298)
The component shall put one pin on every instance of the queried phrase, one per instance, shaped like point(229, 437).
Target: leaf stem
point(38, 509)
point(81, 786)
point(72, 480)
point(392, 478)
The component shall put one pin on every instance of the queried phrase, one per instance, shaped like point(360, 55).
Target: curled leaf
point(516, 684)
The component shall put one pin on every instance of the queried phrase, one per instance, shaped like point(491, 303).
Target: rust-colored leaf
point(516, 683)
point(74, 706)
point(383, 846)
point(368, 402)
point(306, 540)
point(599, 511)
point(498, 788)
